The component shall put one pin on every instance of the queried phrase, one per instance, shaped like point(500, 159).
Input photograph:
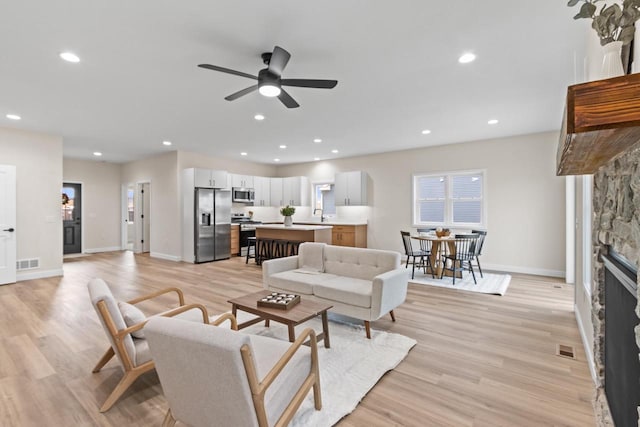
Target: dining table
point(439, 247)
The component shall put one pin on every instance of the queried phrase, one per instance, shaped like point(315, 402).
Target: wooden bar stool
point(251, 243)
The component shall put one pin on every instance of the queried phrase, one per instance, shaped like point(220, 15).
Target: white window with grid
point(449, 199)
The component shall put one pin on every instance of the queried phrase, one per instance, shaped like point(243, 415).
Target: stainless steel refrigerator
point(213, 224)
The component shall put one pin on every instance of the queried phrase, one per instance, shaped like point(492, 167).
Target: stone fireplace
point(616, 225)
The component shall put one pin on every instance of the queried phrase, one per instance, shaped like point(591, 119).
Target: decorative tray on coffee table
point(282, 301)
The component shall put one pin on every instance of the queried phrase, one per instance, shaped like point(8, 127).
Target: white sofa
point(361, 283)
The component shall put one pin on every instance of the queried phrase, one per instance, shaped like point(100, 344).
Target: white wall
point(101, 192)
point(38, 161)
point(162, 172)
point(526, 205)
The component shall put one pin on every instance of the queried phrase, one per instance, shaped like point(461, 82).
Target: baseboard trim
point(98, 250)
point(165, 256)
point(32, 275)
point(524, 270)
point(585, 344)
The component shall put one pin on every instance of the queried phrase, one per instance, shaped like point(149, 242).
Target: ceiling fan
point(270, 79)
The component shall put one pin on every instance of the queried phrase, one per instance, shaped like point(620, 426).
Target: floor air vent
point(27, 264)
point(565, 351)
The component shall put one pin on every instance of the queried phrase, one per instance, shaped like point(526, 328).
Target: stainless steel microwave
point(242, 195)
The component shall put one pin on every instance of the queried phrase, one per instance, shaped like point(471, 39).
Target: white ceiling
point(396, 62)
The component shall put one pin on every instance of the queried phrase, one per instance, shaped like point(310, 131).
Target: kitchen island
point(297, 232)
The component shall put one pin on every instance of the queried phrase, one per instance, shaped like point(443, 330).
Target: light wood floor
point(480, 360)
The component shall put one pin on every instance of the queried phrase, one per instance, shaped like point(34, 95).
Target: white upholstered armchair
point(123, 323)
point(214, 376)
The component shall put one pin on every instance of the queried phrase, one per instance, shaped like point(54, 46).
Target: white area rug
point(496, 284)
point(348, 370)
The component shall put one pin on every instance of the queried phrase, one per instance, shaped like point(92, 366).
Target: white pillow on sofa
point(311, 256)
point(132, 315)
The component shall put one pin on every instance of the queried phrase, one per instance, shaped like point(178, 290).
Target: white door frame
point(9, 238)
point(137, 247)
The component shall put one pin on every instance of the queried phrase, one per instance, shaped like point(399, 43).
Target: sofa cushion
point(359, 263)
point(300, 281)
point(346, 290)
point(310, 256)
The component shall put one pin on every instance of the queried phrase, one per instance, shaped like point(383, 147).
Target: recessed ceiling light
point(276, 160)
point(166, 143)
point(317, 140)
point(316, 158)
point(493, 122)
point(283, 146)
point(426, 132)
point(334, 151)
point(243, 153)
point(69, 57)
point(466, 58)
point(258, 117)
point(97, 153)
point(13, 117)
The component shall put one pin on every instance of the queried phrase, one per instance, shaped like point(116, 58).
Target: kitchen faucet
point(321, 214)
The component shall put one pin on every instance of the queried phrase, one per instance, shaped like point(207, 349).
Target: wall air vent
point(28, 264)
point(565, 351)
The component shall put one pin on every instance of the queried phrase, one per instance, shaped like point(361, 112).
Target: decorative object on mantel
point(287, 212)
point(615, 28)
point(602, 121)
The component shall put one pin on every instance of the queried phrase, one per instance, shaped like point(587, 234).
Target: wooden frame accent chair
point(214, 376)
point(133, 352)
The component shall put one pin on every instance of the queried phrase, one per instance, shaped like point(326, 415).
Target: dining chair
point(479, 246)
point(423, 256)
point(217, 377)
point(460, 259)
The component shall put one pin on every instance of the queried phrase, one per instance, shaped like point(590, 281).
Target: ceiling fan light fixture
point(269, 90)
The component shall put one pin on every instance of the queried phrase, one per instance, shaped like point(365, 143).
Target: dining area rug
point(491, 283)
point(348, 370)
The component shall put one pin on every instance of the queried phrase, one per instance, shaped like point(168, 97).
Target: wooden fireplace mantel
point(601, 121)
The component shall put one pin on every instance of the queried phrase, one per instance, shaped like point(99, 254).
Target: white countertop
point(333, 222)
point(299, 227)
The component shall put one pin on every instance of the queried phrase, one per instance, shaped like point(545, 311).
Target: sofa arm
point(389, 291)
point(277, 265)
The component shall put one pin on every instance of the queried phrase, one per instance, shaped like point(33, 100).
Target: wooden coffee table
point(292, 317)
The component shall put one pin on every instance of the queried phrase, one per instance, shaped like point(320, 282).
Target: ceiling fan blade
point(240, 93)
point(279, 60)
point(287, 100)
point(227, 70)
point(318, 84)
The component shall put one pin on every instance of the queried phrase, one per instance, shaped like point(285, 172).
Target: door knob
point(10, 230)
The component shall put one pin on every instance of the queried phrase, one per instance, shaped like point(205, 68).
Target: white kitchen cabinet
point(243, 181)
point(209, 178)
point(293, 191)
point(276, 192)
point(351, 188)
point(262, 191)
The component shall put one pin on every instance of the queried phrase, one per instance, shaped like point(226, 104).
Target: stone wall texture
point(616, 222)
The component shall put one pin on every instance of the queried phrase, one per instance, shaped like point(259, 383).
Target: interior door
point(7, 224)
point(72, 218)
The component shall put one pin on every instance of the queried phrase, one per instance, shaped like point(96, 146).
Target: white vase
point(288, 221)
point(612, 62)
